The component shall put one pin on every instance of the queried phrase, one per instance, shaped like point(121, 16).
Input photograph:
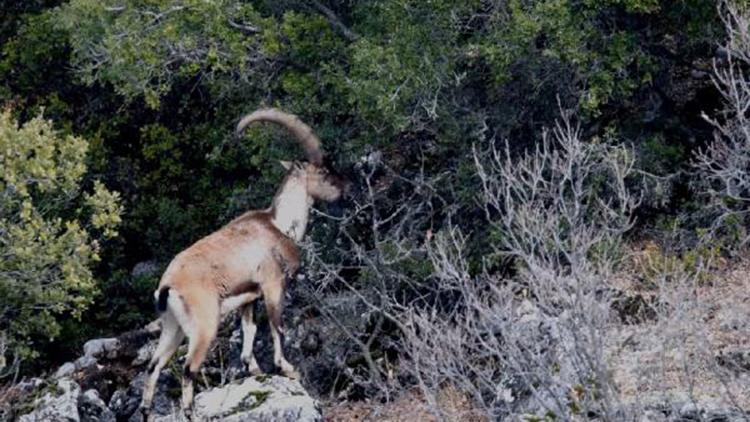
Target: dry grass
point(409, 407)
point(677, 358)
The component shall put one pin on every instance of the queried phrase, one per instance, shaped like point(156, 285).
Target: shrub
point(50, 227)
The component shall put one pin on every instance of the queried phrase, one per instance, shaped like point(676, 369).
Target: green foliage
point(47, 244)
point(405, 60)
point(569, 34)
point(142, 47)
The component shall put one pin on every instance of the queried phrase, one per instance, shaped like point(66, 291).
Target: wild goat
point(250, 257)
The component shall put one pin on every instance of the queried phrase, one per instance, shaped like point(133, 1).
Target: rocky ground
point(105, 385)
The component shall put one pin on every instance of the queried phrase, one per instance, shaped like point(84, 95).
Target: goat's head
point(321, 181)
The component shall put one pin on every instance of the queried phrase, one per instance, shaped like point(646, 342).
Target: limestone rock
point(101, 347)
point(91, 408)
point(60, 404)
point(257, 399)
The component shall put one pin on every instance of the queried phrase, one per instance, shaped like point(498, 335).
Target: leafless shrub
point(534, 342)
point(724, 167)
point(381, 240)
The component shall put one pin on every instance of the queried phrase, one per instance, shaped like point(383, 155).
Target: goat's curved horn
point(304, 134)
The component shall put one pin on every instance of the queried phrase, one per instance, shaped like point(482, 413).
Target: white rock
point(101, 347)
point(65, 370)
point(59, 405)
point(84, 362)
point(144, 353)
point(276, 399)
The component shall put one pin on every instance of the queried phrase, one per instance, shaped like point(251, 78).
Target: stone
point(125, 401)
point(101, 347)
point(91, 408)
point(85, 362)
point(257, 399)
point(65, 370)
point(144, 353)
point(60, 404)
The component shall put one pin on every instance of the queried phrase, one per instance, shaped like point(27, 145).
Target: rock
point(65, 370)
point(109, 380)
point(144, 353)
point(91, 408)
point(257, 399)
point(153, 327)
point(145, 269)
point(85, 362)
point(101, 347)
point(60, 404)
point(124, 402)
point(137, 344)
point(68, 368)
point(30, 385)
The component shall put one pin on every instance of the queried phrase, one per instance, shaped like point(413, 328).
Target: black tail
point(161, 302)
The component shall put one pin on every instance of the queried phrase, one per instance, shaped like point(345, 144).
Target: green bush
point(50, 227)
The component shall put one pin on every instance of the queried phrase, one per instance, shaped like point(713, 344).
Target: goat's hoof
point(145, 413)
point(291, 373)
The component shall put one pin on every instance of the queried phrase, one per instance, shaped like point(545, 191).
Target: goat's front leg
point(274, 295)
point(248, 337)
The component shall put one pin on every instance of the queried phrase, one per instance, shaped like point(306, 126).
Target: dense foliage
point(157, 85)
point(49, 226)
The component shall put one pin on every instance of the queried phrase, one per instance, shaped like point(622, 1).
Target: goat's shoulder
point(249, 216)
point(256, 223)
point(261, 223)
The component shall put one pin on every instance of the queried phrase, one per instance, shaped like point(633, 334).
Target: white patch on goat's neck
point(291, 208)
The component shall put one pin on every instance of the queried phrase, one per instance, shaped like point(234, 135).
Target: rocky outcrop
point(259, 399)
point(91, 408)
point(58, 404)
point(105, 385)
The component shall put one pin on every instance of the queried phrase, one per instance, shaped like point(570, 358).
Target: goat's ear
point(286, 164)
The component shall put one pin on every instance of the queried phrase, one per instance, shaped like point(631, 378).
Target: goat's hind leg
point(170, 339)
point(249, 328)
point(201, 334)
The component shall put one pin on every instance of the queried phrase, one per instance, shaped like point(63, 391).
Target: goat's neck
point(291, 208)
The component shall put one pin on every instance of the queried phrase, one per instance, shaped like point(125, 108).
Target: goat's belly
point(231, 303)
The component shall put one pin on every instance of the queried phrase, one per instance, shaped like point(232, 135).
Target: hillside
point(431, 210)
